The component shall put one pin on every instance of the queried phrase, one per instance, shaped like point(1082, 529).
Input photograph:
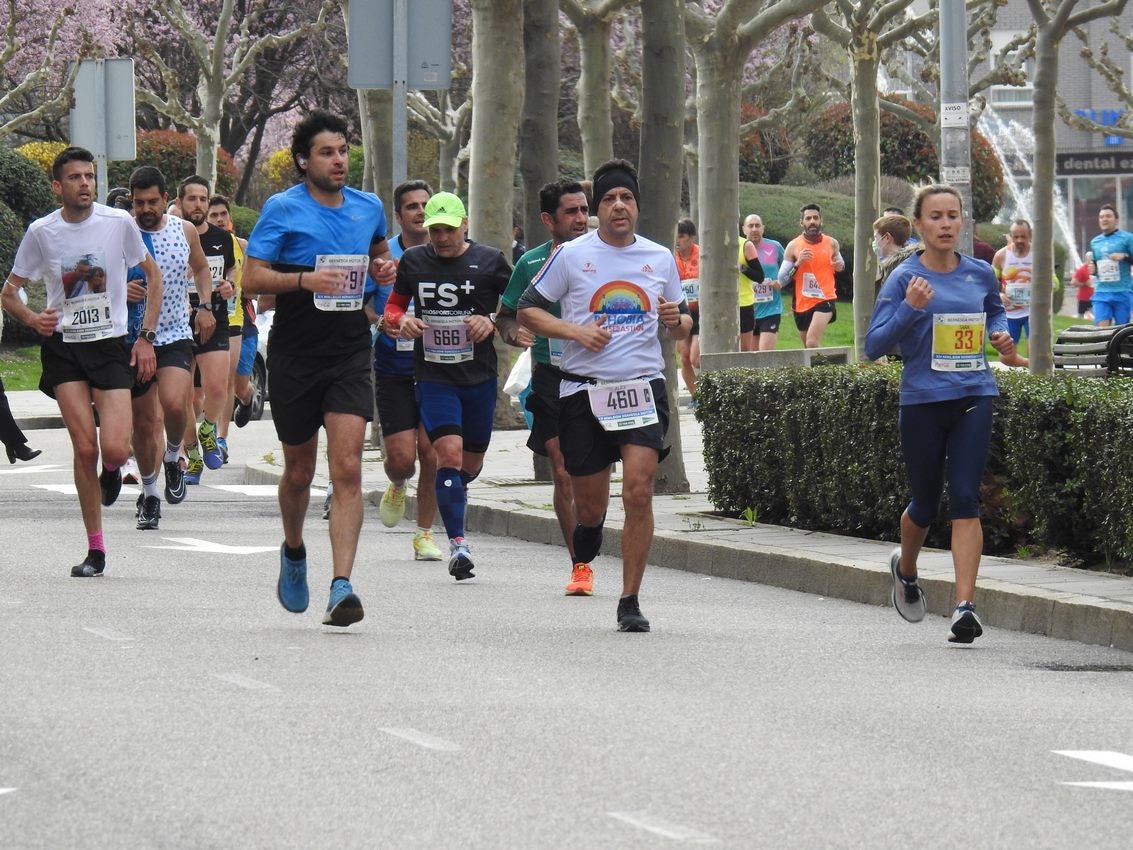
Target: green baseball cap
point(444, 208)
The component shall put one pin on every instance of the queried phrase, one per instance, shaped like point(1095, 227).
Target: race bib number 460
point(349, 295)
point(958, 342)
point(87, 318)
point(624, 405)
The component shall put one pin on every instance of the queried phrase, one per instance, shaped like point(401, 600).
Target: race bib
point(1108, 271)
point(349, 296)
point(763, 292)
point(556, 347)
point(811, 287)
point(404, 344)
point(958, 342)
point(446, 338)
point(1019, 293)
point(691, 289)
point(619, 406)
point(87, 318)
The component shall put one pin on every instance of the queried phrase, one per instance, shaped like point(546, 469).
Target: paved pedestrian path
point(1029, 596)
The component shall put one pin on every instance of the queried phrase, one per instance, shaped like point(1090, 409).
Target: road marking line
point(257, 489)
point(11, 602)
point(8, 790)
point(666, 829)
point(1113, 786)
point(65, 489)
point(1106, 758)
point(192, 544)
point(244, 682)
point(108, 634)
point(25, 470)
point(422, 740)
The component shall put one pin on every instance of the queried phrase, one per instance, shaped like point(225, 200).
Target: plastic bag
point(520, 374)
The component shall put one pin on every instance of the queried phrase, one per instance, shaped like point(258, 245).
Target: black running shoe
point(966, 626)
point(174, 482)
point(630, 618)
point(110, 482)
point(91, 567)
point(242, 413)
point(149, 514)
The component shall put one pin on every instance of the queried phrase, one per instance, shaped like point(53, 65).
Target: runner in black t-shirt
point(455, 286)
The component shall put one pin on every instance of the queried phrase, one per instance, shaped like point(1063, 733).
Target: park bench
point(1093, 352)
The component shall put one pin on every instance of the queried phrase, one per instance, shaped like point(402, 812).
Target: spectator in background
point(1085, 282)
point(687, 256)
point(892, 244)
point(518, 249)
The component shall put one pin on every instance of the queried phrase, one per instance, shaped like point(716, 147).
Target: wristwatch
point(147, 335)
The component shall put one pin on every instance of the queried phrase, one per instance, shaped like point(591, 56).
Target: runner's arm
point(45, 322)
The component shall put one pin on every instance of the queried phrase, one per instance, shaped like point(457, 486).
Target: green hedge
point(243, 219)
point(24, 188)
point(819, 449)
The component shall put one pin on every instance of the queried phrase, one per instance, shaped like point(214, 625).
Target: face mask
point(876, 245)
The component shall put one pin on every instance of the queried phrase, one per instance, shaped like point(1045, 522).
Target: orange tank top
point(814, 278)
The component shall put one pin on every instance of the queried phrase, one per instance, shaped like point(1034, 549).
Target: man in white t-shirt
point(81, 252)
point(613, 288)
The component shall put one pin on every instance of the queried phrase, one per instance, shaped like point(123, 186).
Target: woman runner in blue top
point(936, 306)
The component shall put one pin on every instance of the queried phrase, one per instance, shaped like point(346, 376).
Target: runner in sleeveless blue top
point(455, 285)
point(164, 401)
point(403, 436)
point(81, 252)
point(937, 305)
point(312, 248)
point(614, 289)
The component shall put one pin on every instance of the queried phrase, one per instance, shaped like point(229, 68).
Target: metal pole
point(955, 128)
point(400, 85)
point(102, 174)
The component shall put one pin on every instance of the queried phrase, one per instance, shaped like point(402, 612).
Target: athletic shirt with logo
point(293, 230)
point(689, 271)
point(393, 358)
point(107, 238)
point(171, 253)
point(590, 279)
point(1016, 277)
point(1113, 275)
point(221, 257)
point(767, 299)
point(521, 277)
point(814, 278)
point(445, 291)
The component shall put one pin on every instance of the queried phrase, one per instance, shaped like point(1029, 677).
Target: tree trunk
point(249, 169)
point(867, 188)
point(379, 106)
point(1042, 275)
point(497, 92)
point(539, 128)
point(208, 138)
point(718, 203)
point(660, 165)
point(366, 125)
point(594, 122)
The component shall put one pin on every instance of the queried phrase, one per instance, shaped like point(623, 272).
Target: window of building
point(1011, 96)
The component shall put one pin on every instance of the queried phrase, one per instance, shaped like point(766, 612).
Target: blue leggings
point(950, 436)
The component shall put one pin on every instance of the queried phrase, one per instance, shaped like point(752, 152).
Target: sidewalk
point(1024, 596)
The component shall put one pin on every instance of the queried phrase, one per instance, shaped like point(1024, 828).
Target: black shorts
point(589, 448)
point(219, 339)
point(543, 403)
point(174, 355)
point(747, 319)
point(103, 363)
point(768, 324)
point(803, 319)
point(302, 389)
point(396, 401)
point(695, 313)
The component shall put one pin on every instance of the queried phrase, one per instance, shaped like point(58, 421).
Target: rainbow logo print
point(625, 306)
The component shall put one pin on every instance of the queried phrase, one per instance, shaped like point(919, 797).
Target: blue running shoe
point(193, 471)
point(344, 607)
point(210, 450)
point(223, 443)
point(292, 585)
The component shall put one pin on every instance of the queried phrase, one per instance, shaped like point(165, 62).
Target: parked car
point(260, 365)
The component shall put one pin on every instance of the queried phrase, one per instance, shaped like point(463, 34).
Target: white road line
point(65, 489)
point(1113, 786)
point(8, 790)
point(663, 828)
point(244, 682)
point(108, 634)
point(257, 489)
point(1106, 758)
point(11, 602)
point(26, 470)
point(423, 740)
point(192, 544)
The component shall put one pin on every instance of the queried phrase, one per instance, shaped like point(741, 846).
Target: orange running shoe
point(581, 581)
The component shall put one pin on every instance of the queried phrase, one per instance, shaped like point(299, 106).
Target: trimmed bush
point(175, 154)
point(906, 151)
point(819, 449)
point(24, 188)
point(11, 232)
point(243, 219)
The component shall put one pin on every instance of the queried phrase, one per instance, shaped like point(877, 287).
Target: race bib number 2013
point(87, 318)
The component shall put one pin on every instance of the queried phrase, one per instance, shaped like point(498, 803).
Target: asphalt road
point(173, 703)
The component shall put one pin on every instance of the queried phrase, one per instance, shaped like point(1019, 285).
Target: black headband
point(615, 178)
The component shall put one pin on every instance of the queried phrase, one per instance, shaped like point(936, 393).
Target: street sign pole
point(102, 115)
point(400, 90)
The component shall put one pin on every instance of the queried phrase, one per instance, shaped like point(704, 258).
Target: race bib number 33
point(958, 342)
point(349, 296)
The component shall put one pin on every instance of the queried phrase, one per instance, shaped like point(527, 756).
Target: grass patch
point(20, 368)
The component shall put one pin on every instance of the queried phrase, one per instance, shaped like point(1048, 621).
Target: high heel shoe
point(22, 452)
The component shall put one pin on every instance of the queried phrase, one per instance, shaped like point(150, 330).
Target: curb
point(1034, 609)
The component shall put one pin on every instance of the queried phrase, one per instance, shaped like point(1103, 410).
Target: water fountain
point(1014, 146)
